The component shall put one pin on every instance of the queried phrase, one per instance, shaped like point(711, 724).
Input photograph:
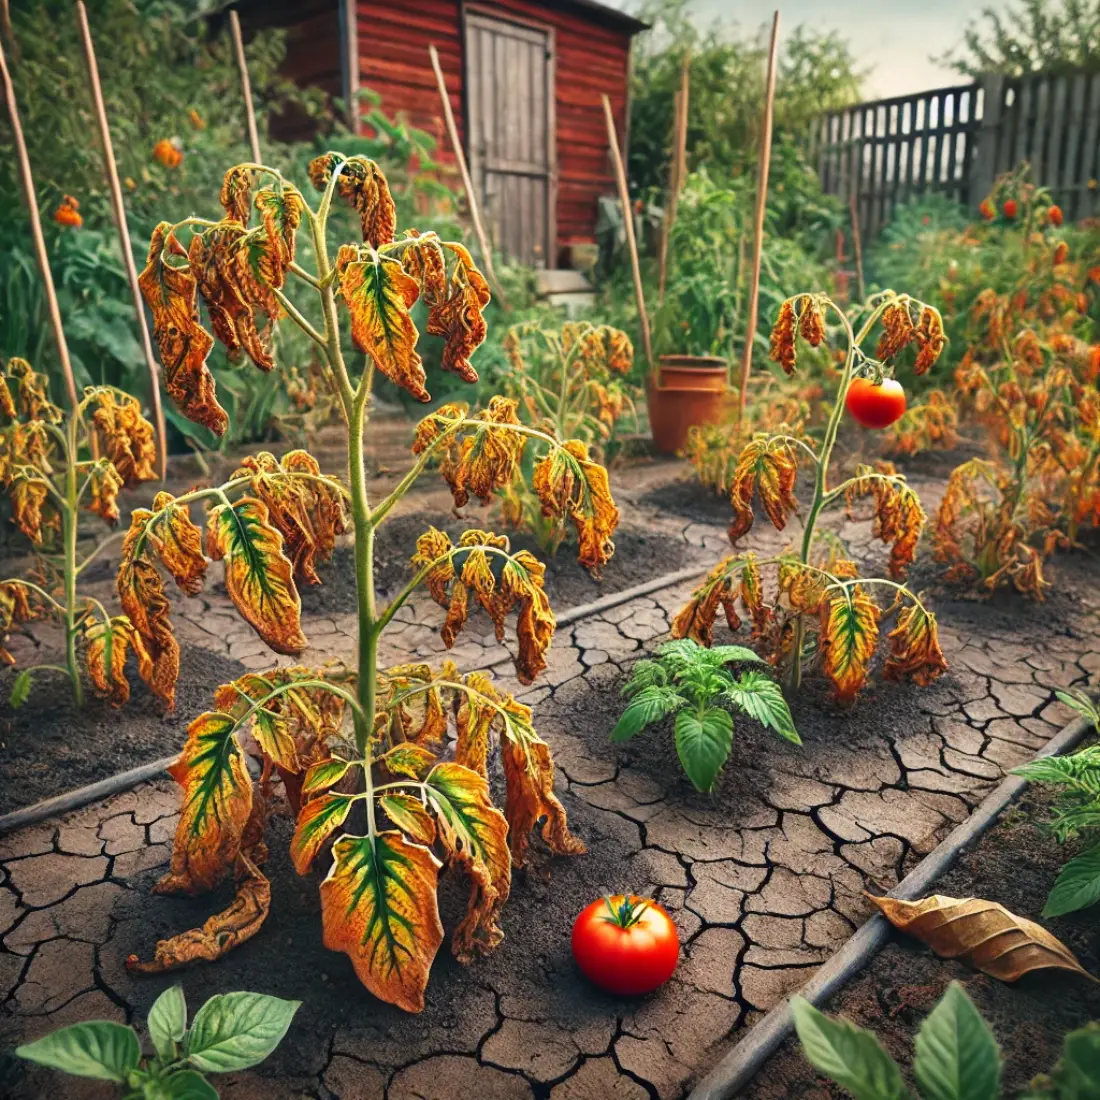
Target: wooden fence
point(955, 141)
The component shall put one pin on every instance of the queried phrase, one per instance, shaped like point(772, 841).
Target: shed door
point(510, 135)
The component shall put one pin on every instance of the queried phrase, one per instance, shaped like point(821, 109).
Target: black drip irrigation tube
point(763, 1039)
point(134, 777)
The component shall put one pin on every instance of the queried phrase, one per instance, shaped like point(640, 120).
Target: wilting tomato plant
point(55, 467)
point(818, 587)
point(625, 944)
point(360, 751)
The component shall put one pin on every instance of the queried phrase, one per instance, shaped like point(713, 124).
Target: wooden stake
point(758, 220)
point(857, 248)
point(677, 171)
point(467, 183)
point(27, 179)
point(628, 225)
point(119, 208)
point(246, 85)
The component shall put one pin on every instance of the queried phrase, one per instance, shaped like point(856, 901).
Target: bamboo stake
point(467, 183)
point(119, 208)
point(677, 171)
point(758, 221)
point(42, 257)
point(857, 248)
point(628, 225)
point(246, 85)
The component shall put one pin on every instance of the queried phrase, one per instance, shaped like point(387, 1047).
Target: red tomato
point(1010, 208)
point(875, 406)
point(626, 945)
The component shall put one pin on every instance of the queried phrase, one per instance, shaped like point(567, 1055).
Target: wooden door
point(510, 133)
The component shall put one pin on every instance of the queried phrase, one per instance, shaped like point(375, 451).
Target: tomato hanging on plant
point(626, 945)
point(875, 406)
point(1010, 208)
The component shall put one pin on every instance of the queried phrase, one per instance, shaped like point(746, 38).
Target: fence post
point(983, 168)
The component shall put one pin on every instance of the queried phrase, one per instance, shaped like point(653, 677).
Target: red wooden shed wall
point(590, 59)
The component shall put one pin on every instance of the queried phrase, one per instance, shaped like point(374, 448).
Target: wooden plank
point(924, 105)
point(1086, 199)
point(1054, 175)
point(1075, 124)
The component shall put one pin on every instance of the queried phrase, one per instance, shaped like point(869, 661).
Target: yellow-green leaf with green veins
point(258, 575)
point(217, 800)
point(410, 815)
point(849, 636)
point(319, 818)
point(326, 774)
point(379, 295)
point(379, 906)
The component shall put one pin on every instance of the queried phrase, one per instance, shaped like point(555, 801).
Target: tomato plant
point(875, 405)
point(625, 944)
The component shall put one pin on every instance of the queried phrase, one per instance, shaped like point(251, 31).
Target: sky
point(894, 39)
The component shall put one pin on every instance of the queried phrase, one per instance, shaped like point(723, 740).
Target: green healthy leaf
point(168, 1021)
point(849, 1055)
point(20, 689)
point(956, 1056)
point(730, 654)
point(650, 705)
point(645, 673)
point(760, 697)
point(101, 1049)
point(1077, 885)
point(1078, 1072)
point(1082, 703)
point(703, 744)
point(234, 1031)
point(189, 1084)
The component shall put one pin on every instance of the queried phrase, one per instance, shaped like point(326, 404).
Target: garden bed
point(1015, 863)
point(49, 747)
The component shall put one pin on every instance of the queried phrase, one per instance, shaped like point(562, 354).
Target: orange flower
point(168, 152)
point(1055, 215)
point(68, 213)
point(196, 119)
point(1061, 252)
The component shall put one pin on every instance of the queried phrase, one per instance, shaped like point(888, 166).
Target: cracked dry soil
point(764, 878)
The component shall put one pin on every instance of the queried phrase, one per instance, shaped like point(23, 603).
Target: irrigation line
point(762, 1040)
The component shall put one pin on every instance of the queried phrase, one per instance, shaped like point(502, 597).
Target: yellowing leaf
point(178, 543)
point(849, 635)
point(982, 933)
point(103, 487)
point(217, 802)
point(107, 647)
point(569, 484)
point(141, 594)
point(529, 774)
point(899, 517)
point(915, 647)
point(258, 576)
point(308, 513)
point(456, 314)
point(171, 293)
point(362, 184)
point(379, 295)
point(378, 906)
point(235, 924)
point(768, 466)
point(719, 589)
point(486, 459)
point(28, 497)
point(475, 836)
point(318, 819)
point(410, 815)
point(125, 437)
point(408, 759)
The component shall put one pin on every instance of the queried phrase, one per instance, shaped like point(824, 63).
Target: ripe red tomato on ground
point(875, 406)
point(1010, 208)
point(625, 944)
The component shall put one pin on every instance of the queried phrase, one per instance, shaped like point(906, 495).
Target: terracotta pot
point(691, 390)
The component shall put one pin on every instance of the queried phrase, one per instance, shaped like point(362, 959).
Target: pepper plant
point(230, 1033)
point(696, 685)
point(569, 382)
point(54, 467)
point(376, 802)
point(818, 588)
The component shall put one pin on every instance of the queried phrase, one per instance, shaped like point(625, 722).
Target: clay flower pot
point(690, 389)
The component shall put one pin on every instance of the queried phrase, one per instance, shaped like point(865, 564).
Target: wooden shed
point(525, 79)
